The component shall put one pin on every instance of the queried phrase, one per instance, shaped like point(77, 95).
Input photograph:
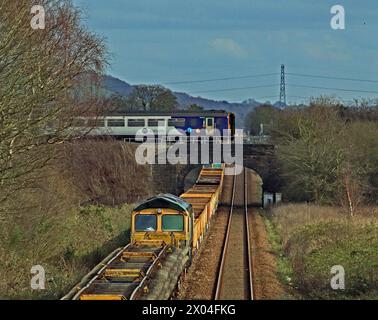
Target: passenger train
point(127, 125)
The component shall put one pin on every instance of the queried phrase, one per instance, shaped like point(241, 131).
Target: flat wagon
point(166, 231)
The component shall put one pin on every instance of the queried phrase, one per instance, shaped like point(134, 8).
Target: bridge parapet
point(259, 157)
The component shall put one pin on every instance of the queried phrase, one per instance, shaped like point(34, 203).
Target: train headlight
point(198, 131)
point(159, 211)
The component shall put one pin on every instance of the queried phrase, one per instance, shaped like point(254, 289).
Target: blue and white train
point(126, 125)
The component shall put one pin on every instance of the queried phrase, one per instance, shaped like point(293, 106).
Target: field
point(309, 240)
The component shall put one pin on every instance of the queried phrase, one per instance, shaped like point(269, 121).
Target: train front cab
point(163, 218)
point(220, 123)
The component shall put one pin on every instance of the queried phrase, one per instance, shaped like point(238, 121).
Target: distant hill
point(240, 109)
point(118, 86)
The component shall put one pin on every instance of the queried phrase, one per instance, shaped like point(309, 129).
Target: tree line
point(148, 98)
point(328, 153)
point(42, 88)
point(48, 78)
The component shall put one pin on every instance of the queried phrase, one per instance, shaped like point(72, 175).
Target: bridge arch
point(262, 159)
point(258, 157)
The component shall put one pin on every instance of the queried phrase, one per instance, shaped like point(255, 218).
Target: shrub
point(315, 239)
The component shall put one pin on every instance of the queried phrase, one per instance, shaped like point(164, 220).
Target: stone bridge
point(258, 157)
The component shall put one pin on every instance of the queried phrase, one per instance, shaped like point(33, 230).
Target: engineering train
point(127, 125)
point(166, 231)
point(180, 221)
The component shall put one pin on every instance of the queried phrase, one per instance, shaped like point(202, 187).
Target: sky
point(180, 43)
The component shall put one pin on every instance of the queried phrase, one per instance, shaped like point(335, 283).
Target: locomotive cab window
point(173, 222)
point(210, 122)
point(145, 222)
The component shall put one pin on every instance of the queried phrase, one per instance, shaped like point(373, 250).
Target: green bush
point(67, 246)
point(316, 244)
point(353, 247)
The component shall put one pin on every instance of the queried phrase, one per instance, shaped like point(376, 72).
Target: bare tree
point(261, 115)
point(48, 77)
point(152, 98)
point(325, 158)
point(195, 107)
point(310, 153)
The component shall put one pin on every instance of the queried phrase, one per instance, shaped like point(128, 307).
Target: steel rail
point(226, 242)
point(100, 272)
point(248, 235)
point(153, 266)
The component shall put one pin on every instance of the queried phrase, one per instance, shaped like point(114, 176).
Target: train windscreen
point(173, 222)
point(145, 222)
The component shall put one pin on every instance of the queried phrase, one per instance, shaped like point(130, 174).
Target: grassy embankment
point(309, 240)
point(70, 218)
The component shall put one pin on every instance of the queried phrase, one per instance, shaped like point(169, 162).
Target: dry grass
point(67, 247)
point(315, 238)
point(288, 218)
point(61, 222)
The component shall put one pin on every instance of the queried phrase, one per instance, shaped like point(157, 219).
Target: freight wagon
point(166, 231)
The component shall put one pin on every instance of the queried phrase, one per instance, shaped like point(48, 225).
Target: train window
point(145, 222)
point(136, 123)
point(210, 122)
point(156, 122)
point(173, 222)
point(96, 123)
point(195, 123)
point(116, 122)
point(176, 122)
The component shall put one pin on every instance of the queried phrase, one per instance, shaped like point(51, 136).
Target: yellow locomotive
point(180, 221)
point(165, 232)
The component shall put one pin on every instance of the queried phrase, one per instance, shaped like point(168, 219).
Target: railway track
point(235, 279)
point(125, 276)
